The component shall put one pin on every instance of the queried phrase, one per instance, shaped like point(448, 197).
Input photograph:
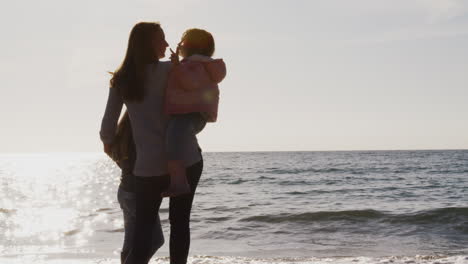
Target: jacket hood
point(216, 68)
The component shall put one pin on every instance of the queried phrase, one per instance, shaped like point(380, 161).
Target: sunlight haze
point(302, 75)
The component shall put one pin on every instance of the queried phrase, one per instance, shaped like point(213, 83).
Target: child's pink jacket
point(193, 86)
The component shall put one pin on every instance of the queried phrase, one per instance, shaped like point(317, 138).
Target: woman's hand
point(108, 149)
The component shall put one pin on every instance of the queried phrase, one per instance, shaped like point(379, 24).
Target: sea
point(250, 207)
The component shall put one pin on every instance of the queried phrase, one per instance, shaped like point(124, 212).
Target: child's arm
point(216, 70)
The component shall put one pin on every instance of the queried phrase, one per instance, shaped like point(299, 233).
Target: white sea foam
point(461, 259)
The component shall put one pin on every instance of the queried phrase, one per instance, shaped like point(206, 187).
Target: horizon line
point(237, 151)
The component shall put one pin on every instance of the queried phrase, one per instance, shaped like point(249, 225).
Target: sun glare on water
point(50, 200)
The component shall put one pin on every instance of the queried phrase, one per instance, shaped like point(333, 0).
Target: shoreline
point(207, 259)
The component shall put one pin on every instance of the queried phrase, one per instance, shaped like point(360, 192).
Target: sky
point(302, 75)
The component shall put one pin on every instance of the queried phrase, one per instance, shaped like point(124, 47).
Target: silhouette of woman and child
point(168, 103)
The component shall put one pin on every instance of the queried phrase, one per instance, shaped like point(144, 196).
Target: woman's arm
point(110, 118)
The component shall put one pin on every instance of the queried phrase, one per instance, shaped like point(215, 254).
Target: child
point(192, 98)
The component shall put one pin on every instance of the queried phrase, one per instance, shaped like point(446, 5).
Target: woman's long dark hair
point(129, 77)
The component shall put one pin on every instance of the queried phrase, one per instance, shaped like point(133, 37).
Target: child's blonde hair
point(197, 41)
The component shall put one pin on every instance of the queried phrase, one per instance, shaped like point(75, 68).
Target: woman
point(124, 154)
point(140, 83)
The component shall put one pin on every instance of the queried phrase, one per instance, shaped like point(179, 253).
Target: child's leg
point(179, 131)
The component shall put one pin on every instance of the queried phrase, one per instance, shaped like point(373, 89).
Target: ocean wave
point(316, 216)
point(448, 171)
point(364, 170)
point(353, 170)
point(437, 216)
point(440, 215)
point(419, 259)
point(304, 170)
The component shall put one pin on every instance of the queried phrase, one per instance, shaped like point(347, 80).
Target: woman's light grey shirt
point(149, 123)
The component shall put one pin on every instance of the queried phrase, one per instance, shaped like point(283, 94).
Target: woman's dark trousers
point(148, 199)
